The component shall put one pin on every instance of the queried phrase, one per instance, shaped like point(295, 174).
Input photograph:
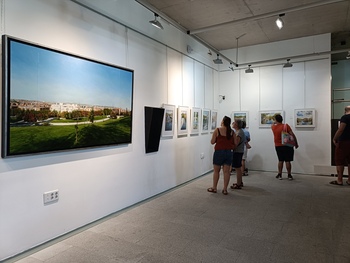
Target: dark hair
point(227, 123)
point(244, 125)
point(239, 123)
point(279, 118)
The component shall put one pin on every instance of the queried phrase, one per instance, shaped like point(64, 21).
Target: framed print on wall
point(205, 120)
point(195, 120)
point(241, 115)
point(305, 118)
point(267, 118)
point(214, 119)
point(54, 101)
point(182, 120)
point(169, 120)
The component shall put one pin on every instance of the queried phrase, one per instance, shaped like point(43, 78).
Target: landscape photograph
point(56, 101)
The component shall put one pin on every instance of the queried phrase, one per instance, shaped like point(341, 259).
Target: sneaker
point(290, 177)
point(279, 176)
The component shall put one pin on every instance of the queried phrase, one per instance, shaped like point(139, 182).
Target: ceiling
point(222, 24)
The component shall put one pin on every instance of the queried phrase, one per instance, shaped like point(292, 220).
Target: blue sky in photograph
point(44, 75)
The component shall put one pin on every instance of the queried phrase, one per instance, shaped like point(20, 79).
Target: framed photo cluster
point(189, 120)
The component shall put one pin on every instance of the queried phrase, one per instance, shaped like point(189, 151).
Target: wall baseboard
point(327, 170)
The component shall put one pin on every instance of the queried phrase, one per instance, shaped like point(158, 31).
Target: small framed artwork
point(195, 120)
point(241, 115)
point(205, 120)
point(214, 119)
point(182, 120)
point(169, 120)
point(267, 118)
point(305, 118)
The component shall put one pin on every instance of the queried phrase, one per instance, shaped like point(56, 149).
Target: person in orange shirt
point(284, 153)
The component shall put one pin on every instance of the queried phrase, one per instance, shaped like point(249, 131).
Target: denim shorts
point(222, 157)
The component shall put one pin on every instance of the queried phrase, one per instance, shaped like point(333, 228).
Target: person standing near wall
point(284, 153)
point(223, 139)
point(341, 141)
point(239, 139)
point(246, 147)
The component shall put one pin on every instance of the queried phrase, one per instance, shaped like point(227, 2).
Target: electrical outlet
point(51, 196)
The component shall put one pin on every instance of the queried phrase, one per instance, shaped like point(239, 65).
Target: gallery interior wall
point(94, 183)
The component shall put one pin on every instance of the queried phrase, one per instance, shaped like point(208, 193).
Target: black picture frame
point(56, 101)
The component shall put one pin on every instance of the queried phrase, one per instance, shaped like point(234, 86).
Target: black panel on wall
point(153, 128)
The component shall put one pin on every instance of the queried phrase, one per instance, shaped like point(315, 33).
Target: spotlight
point(217, 60)
point(209, 52)
point(288, 64)
point(279, 21)
point(155, 22)
point(249, 70)
point(231, 66)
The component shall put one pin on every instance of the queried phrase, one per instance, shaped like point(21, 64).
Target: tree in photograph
point(92, 116)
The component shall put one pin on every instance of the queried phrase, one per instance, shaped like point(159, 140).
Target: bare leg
point(216, 176)
point(349, 173)
point(227, 169)
point(289, 167)
point(280, 167)
point(243, 165)
point(340, 172)
point(239, 176)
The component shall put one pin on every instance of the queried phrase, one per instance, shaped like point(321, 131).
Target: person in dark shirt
point(341, 141)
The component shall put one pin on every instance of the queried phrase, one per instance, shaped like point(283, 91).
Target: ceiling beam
point(266, 15)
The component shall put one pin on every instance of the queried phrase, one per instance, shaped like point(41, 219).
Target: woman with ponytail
point(224, 144)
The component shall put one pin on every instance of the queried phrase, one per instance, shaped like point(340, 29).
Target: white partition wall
point(305, 85)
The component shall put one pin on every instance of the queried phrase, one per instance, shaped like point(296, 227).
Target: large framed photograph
point(305, 118)
point(267, 118)
point(169, 120)
point(241, 115)
point(54, 101)
point(182, 120)
point(205, 120)
point(214, 119)
point(195, 120)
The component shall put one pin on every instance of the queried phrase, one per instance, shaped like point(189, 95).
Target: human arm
point(214, 136)
point(339, 132)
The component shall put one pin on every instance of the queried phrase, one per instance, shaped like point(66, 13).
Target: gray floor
point(305, 220)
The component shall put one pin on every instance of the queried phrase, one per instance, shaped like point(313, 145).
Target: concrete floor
point(269, 220)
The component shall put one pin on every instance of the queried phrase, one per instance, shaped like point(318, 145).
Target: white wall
point(272, 87)
point(96, 182)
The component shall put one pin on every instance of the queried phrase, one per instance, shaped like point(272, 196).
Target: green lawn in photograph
point(34, 139)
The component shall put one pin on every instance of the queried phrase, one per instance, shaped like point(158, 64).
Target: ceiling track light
point(209, 52)
point(249, 70)
point(217, 60)
point(279, 22)
point(288, 64)
point(231, 66)
point(155, 22)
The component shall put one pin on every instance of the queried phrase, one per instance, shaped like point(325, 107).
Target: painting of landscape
point(55, 101)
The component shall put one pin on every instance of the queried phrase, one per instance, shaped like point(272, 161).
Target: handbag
point(287, 139)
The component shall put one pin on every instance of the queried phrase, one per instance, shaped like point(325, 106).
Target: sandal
point(236, 186)
point(211, 190)
point(335, 182)
point(224, 192)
